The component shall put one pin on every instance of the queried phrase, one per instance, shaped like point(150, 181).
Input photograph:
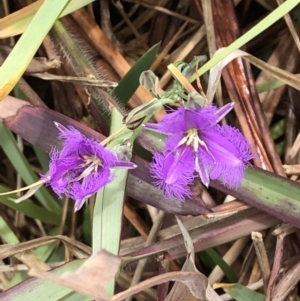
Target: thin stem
point(151, 238)
point(110, 137)
point(180, 78)
point(35, 184)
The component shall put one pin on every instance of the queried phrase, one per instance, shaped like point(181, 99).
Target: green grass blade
point(242, 293)
point(218, 260)
point(75, 297)
point(109, 201)
point(42, 253)
point(274, 16)
point(21, 55)
point(268, 192)
point(29, 209)
point(6, 233)
point(43, 158)
point(269, 85)
point(33, 288)
point(107, 220)
point(130, 81)
point(17, 159)
point(17, 22)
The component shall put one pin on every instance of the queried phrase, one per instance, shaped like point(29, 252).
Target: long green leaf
point(38, 289)
point(274, 16)
point(17, 22)
point(42, 253)
point(108, 210)
point(130, 81)
point(21, 55)
point(242, 293)
point(218, 260)
point(29, 209)
point(6, 233)
point(17, 159)
point(268, 192)
point(107, 220)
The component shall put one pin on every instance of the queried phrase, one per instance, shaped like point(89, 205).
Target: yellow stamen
point(91, 163)
point(192, 139)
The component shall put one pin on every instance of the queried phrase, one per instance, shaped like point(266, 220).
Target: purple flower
point(198, 146)
point(82, 167)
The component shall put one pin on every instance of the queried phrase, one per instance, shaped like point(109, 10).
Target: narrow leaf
point(274, 16)
point(21, 55)
point(34, 288)
point(130, 81)
point(30, 209)
point(108, 212)
point(218, 260)
point(268, 192)
point(17, 22)
point(20, 163)
point(242, 293)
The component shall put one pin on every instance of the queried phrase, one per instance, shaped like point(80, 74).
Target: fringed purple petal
point(223, 111)
point(172, 141)
point(221, 148)
point(202, 118)
point(173, 122)
point(82, 167)
point(176, 163)
point(124, 164)
point(184, 119)
point(197, 143)
point(202, 171)
point(72, 140)
point(151, 126)
point(176, 188)
point(239, 141)
point(231, 152)
point(90, 185)
point(107, 157)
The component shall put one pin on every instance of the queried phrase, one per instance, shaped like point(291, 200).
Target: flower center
point(90, 163)
point(192, 139)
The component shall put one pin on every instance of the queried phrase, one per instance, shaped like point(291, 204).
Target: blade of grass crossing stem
point(6, 233)
point(34, 288)
point(17, 159)
point(218, 260)
point(42, 253)
point(107, 220)
point(17, 22)
point(242, 293)
point(75, 297)
point(21, 55)
point(9, 237)
point(274, 16)
point(130, 82)
point(29, 209)
point(269, 85)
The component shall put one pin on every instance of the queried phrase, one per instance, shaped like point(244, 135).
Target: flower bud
point(148, 79)
point(124, 151)
point(136, 116)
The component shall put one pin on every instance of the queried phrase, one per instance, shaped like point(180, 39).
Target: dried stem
point(262, 257)
point(151, 238)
